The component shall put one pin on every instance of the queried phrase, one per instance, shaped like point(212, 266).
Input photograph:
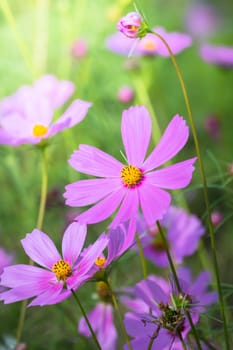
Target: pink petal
point(75, 112)
point(120, 44)
point(57, 127)
point(128, 209)
point(173, 140)
point(50, 296)
point(174, 176)
point(73, 241)
point(151, 293)
point(90, 160)
point(86, 192)
point(136, 132)
point(103, 209)
point(177, 42)
point(154, 202)
point(40, 248)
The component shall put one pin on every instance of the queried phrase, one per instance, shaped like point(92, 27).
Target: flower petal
point(103, 209)
point(136, 132)
point(151, 293)
point(173, 140)
point(73, 241)
point(174, 176)
point(90, 160)
point(40, 248)
point(86, 192)
point(154, 202)
point(52, 295)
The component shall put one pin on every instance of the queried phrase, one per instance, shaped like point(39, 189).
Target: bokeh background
point(38, 37)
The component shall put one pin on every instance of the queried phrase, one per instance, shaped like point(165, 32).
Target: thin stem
point(86, 319)
point(40, 219)
point(116, 306)
point(142, 256)
point(205, 191)
point(182, 341)
point(19, 40)
point(172, 266)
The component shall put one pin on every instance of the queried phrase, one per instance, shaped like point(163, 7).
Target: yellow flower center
point(39, 130)
point(131, 176)
point(100, 261)
point(104, 292)
point(148, 44)
point(62, 269)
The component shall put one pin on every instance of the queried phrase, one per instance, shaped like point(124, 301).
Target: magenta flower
point(183, 232)
point(131, 25)
point(136, 184)
point(125, 94)
point(102, 322)
point(6, 259)
point(219, 55)
point(166, 310)
point(26, 116)
point(57, 275)
point(149, 45)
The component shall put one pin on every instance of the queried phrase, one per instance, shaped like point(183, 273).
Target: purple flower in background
point(131, 25)
point(6, 259)
point(166, 310)
point(219, 55)
point(26, 116)
point(51, 283)
point(212, 125)
point(125, 94)
point(149, 45)
point(183, 232)
point(216, 217)
point(136, 184)
point(79, 49)
point(102, 322)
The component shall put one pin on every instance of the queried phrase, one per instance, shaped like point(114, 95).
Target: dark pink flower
point(130, 25)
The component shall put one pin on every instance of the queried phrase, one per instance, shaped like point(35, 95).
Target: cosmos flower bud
point(132, 25)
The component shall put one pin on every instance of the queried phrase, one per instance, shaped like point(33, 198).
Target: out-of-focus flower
point(26, 116)
point(125, 94)
point(52, 282)
point(149, 45)
point(54, 198)
point(183, 232)
point(212, 126)
point(166, 310)
point(219, 55)
point(79, 49)
point(101, 320)
point(202, 20)
point(132, 25)
point(230, 168)
point(6, 259)
point(216, 217)
point(136, 184)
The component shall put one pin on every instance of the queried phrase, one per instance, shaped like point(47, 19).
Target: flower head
point(57, 275)
point(132, 25)
point(26, 116)
point(139, 183)
point(166, 309)
point(219, 55)
point(183, 232)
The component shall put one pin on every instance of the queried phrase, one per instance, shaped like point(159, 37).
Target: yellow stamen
point(148, 44)
point(100, 261)
point(131, 175)
point(62, 269)
point(39, 130)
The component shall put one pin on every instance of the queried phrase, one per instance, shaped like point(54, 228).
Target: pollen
point(62, 270)
point(131, 176)
point(100, 261)
point(39, 130)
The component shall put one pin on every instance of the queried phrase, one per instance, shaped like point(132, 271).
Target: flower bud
point(132, 25)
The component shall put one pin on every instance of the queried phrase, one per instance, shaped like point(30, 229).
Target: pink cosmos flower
point(149, 45)
point(26, 116)
point(219, 55)
point(139, 183)
point(101, 320)
point(130, 25)
point(183, 232)
point(6, 259)
point(57, 275)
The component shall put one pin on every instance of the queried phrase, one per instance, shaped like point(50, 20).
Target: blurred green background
point(36, 38)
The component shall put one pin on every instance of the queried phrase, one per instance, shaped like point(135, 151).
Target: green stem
point(142, 256)
point(116, 306)
point(172, 266)
point(182, 341)
point(205, 191)
point(86, 319)
point(39, 224)
point(19, 40)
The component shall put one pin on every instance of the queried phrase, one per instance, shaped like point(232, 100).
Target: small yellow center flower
point(62, 269)
point(39, 130)
point(131, 176)
point(100, 261)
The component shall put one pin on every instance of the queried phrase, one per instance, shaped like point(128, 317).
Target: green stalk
point(142, 256)
point(86, 319)
point(174, 274)
point(205, 191)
